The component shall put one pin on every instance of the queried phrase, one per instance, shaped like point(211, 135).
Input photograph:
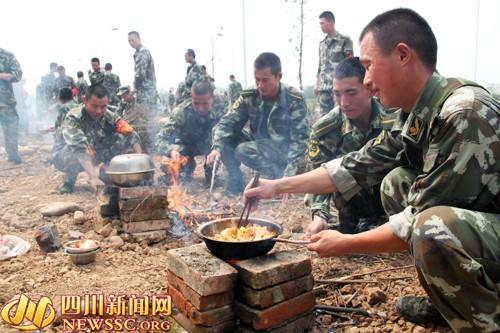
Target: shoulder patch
point(237, 103)
point(313, 149)
point(415, 128)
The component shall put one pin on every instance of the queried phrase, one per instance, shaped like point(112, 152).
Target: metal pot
point(237, 250)
point(131, 170)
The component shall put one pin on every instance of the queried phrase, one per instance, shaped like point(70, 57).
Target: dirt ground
point(139, 269)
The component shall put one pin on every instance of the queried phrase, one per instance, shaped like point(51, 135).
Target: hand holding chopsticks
point(249, 203)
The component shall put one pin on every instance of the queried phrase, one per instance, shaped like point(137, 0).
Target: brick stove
point(272, 293)
point(142, 210)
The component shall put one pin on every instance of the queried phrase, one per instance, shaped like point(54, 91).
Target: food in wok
point(248, 233)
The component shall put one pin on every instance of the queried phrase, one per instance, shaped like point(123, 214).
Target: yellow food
point(244, 234)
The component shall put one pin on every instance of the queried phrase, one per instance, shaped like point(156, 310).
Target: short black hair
point(201, 88)
point(403, 25)
point(108, 66)
point(98, 91)
point(350, 67)
point(135, 33)
point(191, 53)
point(53, 65)
point(95, 59)
point(61, 68)
point(231, 76)
point(328, 15)
point(79, 74)
point(268, 60)
point(65, 94)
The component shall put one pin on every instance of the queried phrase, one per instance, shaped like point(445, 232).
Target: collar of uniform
point(101, 121)
point(280, 100)
point(375, 121)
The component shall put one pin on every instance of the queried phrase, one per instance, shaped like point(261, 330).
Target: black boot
point(418, 310)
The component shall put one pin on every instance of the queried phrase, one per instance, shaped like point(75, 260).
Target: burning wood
point(178, 199)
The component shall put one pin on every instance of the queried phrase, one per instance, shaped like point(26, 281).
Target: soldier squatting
point(410, 159)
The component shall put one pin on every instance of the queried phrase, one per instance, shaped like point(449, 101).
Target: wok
point(237, 250)
point(131, 170)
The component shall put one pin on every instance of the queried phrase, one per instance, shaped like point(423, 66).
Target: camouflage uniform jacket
point(185, 127)
point(145, 77)
point(82, 86)
point(450, 138)
point(193, 74)
point(111, 83)
point(64, 82)
point(9, 64)
point(80, 131)
point(62, 111)
point(48, 86)
point(334, 135)
point(332, 50)
point(123, 107)
point(234, 91)
point(287, 124)
point(96, 78)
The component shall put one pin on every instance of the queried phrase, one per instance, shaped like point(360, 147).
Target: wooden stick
point(373, 272)
point(360, 311)
point(338, 281)
point(291, 241)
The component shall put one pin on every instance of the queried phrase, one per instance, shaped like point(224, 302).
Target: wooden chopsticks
point(249, 203)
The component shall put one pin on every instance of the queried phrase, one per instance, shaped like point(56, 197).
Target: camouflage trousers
point(457, 256)
point(326, 101)
point(10, 126)
point(142, 118)
point(64, 159)
point(149, 97)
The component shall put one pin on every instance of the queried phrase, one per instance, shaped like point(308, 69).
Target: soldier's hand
point(175, 155)
point(214, 155)
point(95, 181)
point(318, 224)
point(91, 151)
point(330, 243)
point(265, 189)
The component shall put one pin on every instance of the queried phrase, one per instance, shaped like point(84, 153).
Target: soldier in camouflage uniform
point(64, 104)
point(193, 74)
point(356, 119)
point(439, 169)
point(234, 89)
point(82, 86)
point(63, 80)
point(333, 49)
point(144, 72)
point(188, 131)
point(10, 71)
point(127, 100)
point(111, 83)
point(279, 127)
point(90, 136)
point(45, 91)
point(96, 76)
point(171, 100)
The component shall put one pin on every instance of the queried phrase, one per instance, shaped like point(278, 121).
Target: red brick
point(300, 324)
point(201, 270)
point(276, 315)
point(267, 297)
point(142, 191)
point(132, 227)
point(204, 318)
point(272, 269)
point(226, 327)
point(202, 303)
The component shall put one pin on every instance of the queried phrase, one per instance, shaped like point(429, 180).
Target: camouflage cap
point(123, 90)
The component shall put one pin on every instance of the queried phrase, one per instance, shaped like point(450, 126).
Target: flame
point(178, 199)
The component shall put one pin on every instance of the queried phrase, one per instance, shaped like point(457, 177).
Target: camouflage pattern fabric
point(145, 77)
point(82, 86)
point(285, 129)
point(112, 83)
point(234, 91)
point(124, 107)
point(62, 110)
point(45, 96)
point(178, 134)
point(142, 117)
point(332, 50)
point(333, 136)
point(96, 78)
point(64, 82)
point(9, 118)
point(193, 75)
point(441, 162)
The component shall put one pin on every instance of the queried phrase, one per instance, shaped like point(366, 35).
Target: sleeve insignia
point(313, 149)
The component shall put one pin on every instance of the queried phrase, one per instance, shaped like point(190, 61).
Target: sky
point(71, 33)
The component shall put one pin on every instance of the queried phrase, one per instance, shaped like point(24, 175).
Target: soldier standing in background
point(193, 74)
point(45, 91)
point(332, 50)
point(234, 89)
point(144, 72)
point(96, 76)
point(82, 86)
point(10, 71)
point(111, 83)
point(171, 99)
point(63, 80)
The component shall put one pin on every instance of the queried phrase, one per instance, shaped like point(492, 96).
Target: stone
point(272, 269)
point(132, 227)
point(375, 295)
point(226, 327)
point(78, 217)
point(142, 191)
point(300, 324)
point(106, 230)
point(149, 237)
point(59, 208)
point(144, 214)
point(267, 297)
point(116, 241)
point(75, 234)
point(276, 315)
point(201, 270)
point(92, 235)
point(211, 317)
point(202, 303)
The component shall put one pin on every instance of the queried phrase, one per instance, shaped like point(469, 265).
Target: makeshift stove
point(141, 210)
point(271, 293)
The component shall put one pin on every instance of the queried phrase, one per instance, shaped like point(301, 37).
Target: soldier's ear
point(279, 76)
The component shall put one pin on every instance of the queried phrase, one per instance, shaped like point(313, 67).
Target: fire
point(178, 199)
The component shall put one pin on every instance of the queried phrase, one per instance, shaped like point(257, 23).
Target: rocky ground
point(124, 267)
